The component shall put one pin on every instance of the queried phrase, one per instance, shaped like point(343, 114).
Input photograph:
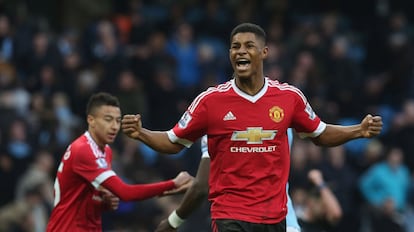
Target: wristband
point(175, 220)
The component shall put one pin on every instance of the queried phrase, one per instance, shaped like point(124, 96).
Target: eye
point(250, 46)
point(234, 46)
point(108, 119)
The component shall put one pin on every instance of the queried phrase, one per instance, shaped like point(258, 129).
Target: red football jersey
point(248, 146)
point(78, 204)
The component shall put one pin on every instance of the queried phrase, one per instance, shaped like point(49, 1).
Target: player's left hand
point(109, 199)
point(164, 226)
point(371, 126)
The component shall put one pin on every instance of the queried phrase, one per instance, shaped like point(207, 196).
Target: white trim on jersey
point(102, 177)
point(174, 139)
point(94, 147)
point(220, 88)
point(248, 97)
point(285, 86)
point(316, 133)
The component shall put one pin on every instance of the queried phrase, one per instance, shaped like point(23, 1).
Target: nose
point(116, 125)
point(241, 50)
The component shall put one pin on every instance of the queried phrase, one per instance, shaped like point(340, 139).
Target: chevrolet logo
point(254, 135)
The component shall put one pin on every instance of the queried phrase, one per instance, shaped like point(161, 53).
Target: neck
point(251, 86)
point(101, 145)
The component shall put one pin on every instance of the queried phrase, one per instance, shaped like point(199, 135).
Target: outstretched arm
point(158, 140)
point(137, 192)
point(335, 135)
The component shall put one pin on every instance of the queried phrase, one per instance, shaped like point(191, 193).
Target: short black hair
point(249, 27)
point(101, 99)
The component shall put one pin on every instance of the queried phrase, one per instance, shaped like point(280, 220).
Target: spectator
point(385, 188)
point(317, 208)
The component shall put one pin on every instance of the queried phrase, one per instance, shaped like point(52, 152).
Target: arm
point(197, 192)
point(157, 140)
point(330, 204)
point(191, 201)
point(335, 135)
point(143, 191)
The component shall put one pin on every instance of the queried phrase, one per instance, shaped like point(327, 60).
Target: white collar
point(248, 97)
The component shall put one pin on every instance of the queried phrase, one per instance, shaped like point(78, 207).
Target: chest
point(234, 113)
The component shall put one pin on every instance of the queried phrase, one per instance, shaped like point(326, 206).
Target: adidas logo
point(229, 116)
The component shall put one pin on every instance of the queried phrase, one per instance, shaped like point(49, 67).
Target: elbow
point(200, 189)
point(318, 141)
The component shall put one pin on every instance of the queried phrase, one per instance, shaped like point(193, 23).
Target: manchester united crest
point(276, 113)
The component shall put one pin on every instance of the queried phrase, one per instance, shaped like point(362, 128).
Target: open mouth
point(242, 64)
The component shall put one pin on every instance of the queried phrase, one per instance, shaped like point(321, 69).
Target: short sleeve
point(305, 121)
point(94, 169)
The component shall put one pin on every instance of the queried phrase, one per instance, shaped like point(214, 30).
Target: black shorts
point(229, 225)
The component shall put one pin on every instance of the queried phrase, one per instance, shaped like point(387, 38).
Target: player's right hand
point(164, 226)
point(182, 189)
point(371, 126)
point(182, 179)
point(131, 125)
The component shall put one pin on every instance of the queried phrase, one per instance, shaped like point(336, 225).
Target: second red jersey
point(248, 146)
point(78, 205)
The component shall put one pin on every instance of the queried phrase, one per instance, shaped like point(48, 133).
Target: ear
point(265, 51)
point(91, 120)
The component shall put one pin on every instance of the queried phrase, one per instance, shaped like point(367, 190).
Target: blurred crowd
point(350, 58)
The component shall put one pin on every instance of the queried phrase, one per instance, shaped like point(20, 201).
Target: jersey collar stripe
point(288, 87)
point(94, 147)
point(220, 88)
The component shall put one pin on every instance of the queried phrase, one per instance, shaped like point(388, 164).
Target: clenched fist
point(131, 125)
point(371, 126)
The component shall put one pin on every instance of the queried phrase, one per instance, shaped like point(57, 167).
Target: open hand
point(179, 190)
point(182, 179)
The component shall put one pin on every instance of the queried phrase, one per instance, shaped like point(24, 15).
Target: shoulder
point(218, 89)
point(80, 146)
point(211, 93)
point(286, 88)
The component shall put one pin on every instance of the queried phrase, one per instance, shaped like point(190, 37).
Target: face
point(246, 54)
point(104, 124)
